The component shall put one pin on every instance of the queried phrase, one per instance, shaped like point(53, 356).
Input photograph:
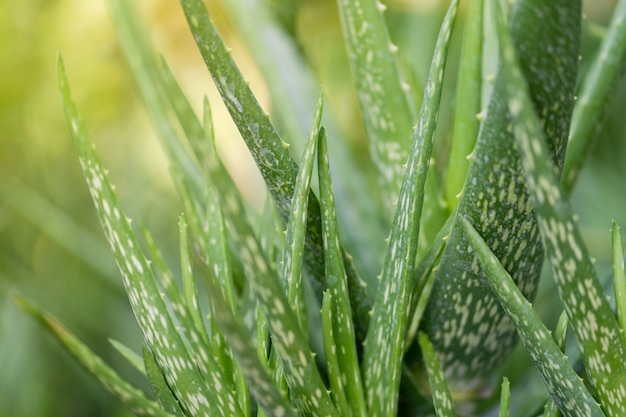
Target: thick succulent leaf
point(598, 89)
point(292, 84)
point(384, 345)
point(468, 104)
point(296, 225)
point(464, 322)
point(342, 332)
point(159, 386)
point(565, 386)
point(133, 398)
point(269, 151)
point(382, 94)
point(597, 332)
point(442, 399)
point(619, 278)
point(160, 333)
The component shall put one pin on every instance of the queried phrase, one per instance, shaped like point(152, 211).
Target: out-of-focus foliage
point(53, 256)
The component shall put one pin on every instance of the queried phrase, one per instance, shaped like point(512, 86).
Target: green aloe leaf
point(551, 409)
point(130, 355)
point(442, 399)
point(269, 151)
point(597, 332)
point(505, 398)
point(598, 89)
point(161, 390)
point(468, 104)
point(133, 398)
point(565, 386)
point(382, 94)
point(160, 333)
point(619, 278)
point(291, 84)
point(296, 224)
point(384, 345)
point(464, 322)
point(288, 339)
point(339, 310)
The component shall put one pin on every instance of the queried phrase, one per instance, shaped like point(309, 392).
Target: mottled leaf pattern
point(597, 332)
point(567, 388)
point(442, 399)
point(384, 345)
point(463, 320)
point(382, 94)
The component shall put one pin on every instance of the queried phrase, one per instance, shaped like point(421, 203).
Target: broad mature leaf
point(384, 346)
point(442, 399)
point(590, 314)
point(599, 87)
point(132, 397)
point(269, 151)
point(463, 320)
point(382, 94)
point(560, 333)
point(565, 386)
point(160, 333)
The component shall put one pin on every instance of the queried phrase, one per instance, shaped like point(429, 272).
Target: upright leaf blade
point(384, 345)
point(382, 94)
point(598, 89)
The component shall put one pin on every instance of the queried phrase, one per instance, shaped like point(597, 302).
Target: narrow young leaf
point(464, 322)
point(384, 345)
point(248, 356)
point(133, 358)
point(598, 89)
point(151, 312)
point(343, 332)
point(468, 104)
point(597, 332)
point(133, 398)
point(619, 278)
point(382, 94)
point(565, 386)
point(442, 399)
point(551, 409)
point(337, 386)
point(296, 224)
point(505, 398)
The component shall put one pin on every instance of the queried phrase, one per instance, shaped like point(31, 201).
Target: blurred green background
point(51, 247)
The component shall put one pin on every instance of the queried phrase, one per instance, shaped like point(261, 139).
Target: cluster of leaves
point(458, 288)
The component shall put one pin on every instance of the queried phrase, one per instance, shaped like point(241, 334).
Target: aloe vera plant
point(294, 325)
